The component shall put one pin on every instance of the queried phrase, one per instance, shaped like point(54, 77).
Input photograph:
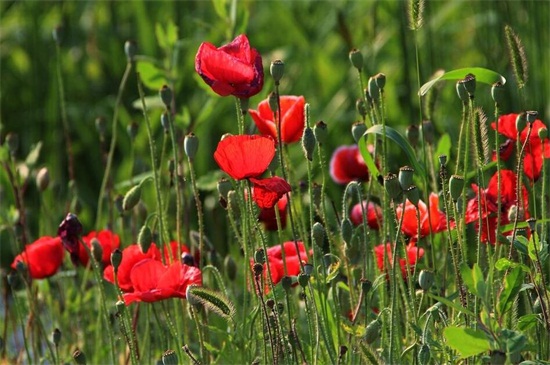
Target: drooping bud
point(543, 133)
point(413, 135)
point(456, 185)
point(145, 238)
point(43, 179)
point(308, 143)
point(320, 131)
point(166, 95)
point(97, 250)
point(497, 93)
point(405, 177)
point(259, 256)
point(373, 89)
point(391, 183)
point(356, 59)
point(286, 282)
point(318, 234)
point(170, 358)
point(358, 129)
point(426, 279)
point(346, 229)
point(413, 195)
point(303, 280)
point(130, 49)
point(191, 145)
point(79, 357)
point(273, 102)
point(116, 259)
point(277, 70)
point(372, 332)
point(521, 121)
point(131, 198)
point(428, 131)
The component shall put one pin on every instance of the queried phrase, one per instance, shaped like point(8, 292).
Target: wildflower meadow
point(265, 182)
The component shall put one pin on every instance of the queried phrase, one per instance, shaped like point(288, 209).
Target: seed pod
point(356, 59)
point(405, 177)
point(380, 80)
point(426, 279)
point(413, 195)
point(166, 95)
point(391, 183)
point(277, 70)
point(531, 116)
point(191, 145)
point(358, 129)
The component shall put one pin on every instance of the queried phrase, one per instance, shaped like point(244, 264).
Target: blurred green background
point(313, 38)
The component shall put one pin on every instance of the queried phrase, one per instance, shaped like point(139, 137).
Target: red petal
point(267, 192)
point(146, 274)
point(347, 164)
point(244, 156)
point(292, 110)
point(507, 126)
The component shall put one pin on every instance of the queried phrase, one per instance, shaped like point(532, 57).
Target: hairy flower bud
point(131, 198)
point(308, 143)
point(372, 332)
point(318, 234)
point(191, 145)
point(277, 70)
point(426, 279)
point(320, 131)
point(145, 238)
point(456, 185)
point(116, 259)
point(346, 229)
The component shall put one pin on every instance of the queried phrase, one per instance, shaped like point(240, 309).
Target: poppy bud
point(170, 358)
point(43, 179)
point(230, 267)
point(356, 59)
point(366, 286)
point(166, 95)
point(442, 160)
point(224, 187)
point(259, 256)
point(101, 125)
point(413, 135)
point(372, 331)
point(456, 185)
point(286, 282)
point(469, 83)
point(303, 280)
point(308, 269)
point(273, 102)
point(116, 259)
point(393, 188)
point(426, 279)
point(373, 89)
point(521, 121)
point(531, 116)
point(56, 337)
point(130, 49)
point(405, 177)
point(270, 303)
point(277, 70)
point(79, 357)
point(497, 93)
point(320, 131)
point(165, 122)
point(96, 249)
point(316, 192)
point(532, 223)
point(543, 133)
point(308, 143)
point(258, 269)
point(380, 80)
point(131, 198)
point(191, 145)
point(428, 130)
point(145, 238)
point(120, 306)
point(57, 34)
point(318, 234)
point(361, 107)
point(413, 195)
point(462, 92)
point(358, 129)
point(346, 229)
point(132, 130)
point(424, 354)
point(69, 230)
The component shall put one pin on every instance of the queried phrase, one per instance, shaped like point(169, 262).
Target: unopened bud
point(97, 250)
point(372, 332)
point(286, 282)
point(531, 116)
point(131, 198)
point(224, 187)
point(116, 259)
point(145, 238)
point(130, 49)
point(166, 95)
point(373, 89)
point(303, 280)
point(426, 279)
point(456, 185)
point(273, 102)
point(191, 145)
point(43, 179)
point(358, 129)
point(79, 357)
point(320, 131)
point(356, 59)
point(521, 122)
point(462, 92)
point(442, 160)
point(56, 337)
point(361, 107)
point(259, 256)
point(308, 143)
point(380, 80)
point(120, 306)
point(346, 229)
point(165, 122)
point(543, 133)
point(277, 70)
point(318, 234)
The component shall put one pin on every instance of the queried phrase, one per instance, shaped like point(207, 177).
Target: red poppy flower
point(131, 255)
point(152, 281)
point(413, 255)
point(292, 118)
point(347, 165)
point(267, 192)
point(244, 156)
point(43, 257)
point(433, 221)
point(108, 241)
point(268, 217)
point(233, 69)
point(533, 156)
point(372, 211)
point(489, 204)
point(277, 264)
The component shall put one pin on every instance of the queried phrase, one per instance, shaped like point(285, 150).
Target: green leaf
point(212, 300)
point(527, 321)
point(483, 75)
point(467, 341)
point(151, 76)
point(452, 304)
point(512, 285)
point(505, 264)
point(33, 156)
point(514, 341)
point(355, 330)
point(401, 142)
point(220, 9)
point(209, 181)
point(151, 102)
point(521, 243)
point(367, 157)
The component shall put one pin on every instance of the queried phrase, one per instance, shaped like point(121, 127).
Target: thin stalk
point(198, 205)
point(177, 180)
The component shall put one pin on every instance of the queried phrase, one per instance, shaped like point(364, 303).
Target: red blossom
point(268, 217)
point(131, 255)
point(413, 255)
point(373, 214)
point(533, 155)
point(347, 165)
point(292, 118)
point(152, 281)
point(108, 241)
point(43, 257)
point(233, 69)
point(267, 192)
point(244, 156)
point(432, 220)
point(489, 204)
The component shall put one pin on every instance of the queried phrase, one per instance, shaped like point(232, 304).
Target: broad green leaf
point(527, 321)
point(151, 102)
point(161, 36)
point(171, 33)
point(512, 285)
point(467, 341)
point(151, 76)
point(401, 142)
point(504, 264)
point(521, 243)
point(514, 341)
point(452, 304)
point(367, 157)
point(483, 75)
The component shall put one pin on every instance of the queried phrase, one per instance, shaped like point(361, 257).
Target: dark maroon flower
point(233, 69)
point(69, 231)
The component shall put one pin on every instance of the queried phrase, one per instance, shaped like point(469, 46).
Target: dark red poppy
point(292, 118)
point(347, 165)
point(267, 192)
point(533, 156)
point(43, 257)
point(233, 69)
point(277, 264)
point(413, 255)
point(108, 241)
point(489, 204)
point(373, 214)
point(152, 281)
point(269, 218)
point(131, 255)
point(244, 156)
point(432, 220)
point(69, 231)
